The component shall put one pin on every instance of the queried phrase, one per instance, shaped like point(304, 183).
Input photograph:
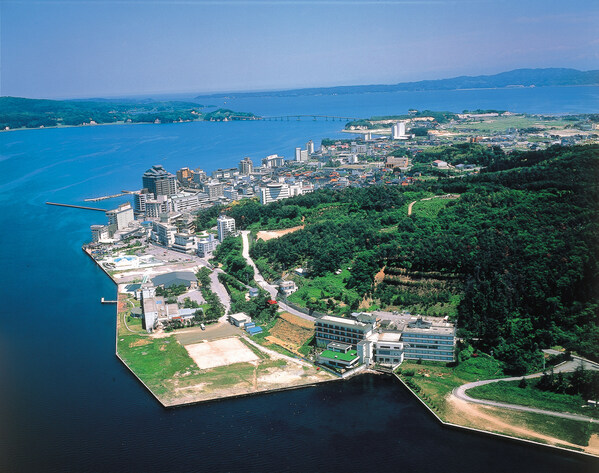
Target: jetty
point(105, 301)
point(104, 197)
point(76, 206)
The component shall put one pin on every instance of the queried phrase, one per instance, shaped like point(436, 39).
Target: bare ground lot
point(220, 353)
point(269, 235)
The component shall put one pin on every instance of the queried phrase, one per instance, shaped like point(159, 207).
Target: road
point(264, 284)
point(569, 366)
point(219, 289)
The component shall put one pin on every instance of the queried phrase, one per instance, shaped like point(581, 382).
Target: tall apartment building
point(246, 166)
point(225, 226)
point(273, 161)
point(185, 176)
point(428, 340)
point(273, 192)
point(139, 201)
point(122, 216)
point(214, 190)
point(301, 154)
point(158, 181)
point(310, 147)
point(328, 329)
point(398, 131)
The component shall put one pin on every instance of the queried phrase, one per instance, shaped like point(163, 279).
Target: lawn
point(436, 380)
point(510, 393)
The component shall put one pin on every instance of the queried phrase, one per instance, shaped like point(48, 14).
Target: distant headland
point(556, 77)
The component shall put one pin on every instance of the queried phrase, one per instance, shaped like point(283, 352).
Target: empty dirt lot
point(220, 353)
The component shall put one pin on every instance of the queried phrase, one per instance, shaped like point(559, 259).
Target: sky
point(111, 48)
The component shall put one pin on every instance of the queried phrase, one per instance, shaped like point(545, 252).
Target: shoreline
point(293, 387)
point(512, 438)
point(57, 127)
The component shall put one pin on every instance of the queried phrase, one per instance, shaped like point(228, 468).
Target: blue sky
point(94, 48)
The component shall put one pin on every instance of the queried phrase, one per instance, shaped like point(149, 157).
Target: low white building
point(185, 243)
point(163, 233)
point(240, 319)
point(287, 287)
point(206, 245)
point(388, 349)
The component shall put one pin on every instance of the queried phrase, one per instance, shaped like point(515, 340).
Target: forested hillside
point(17, 112)
point(519, 249)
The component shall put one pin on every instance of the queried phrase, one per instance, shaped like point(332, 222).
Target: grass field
point(500, 124)
point(166, 368)
point(510, 393)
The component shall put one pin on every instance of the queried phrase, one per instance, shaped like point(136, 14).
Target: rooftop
point(332, 355)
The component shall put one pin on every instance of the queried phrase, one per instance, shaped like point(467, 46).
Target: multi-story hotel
point(159, 181)
point(328, 329)
point(427, 340)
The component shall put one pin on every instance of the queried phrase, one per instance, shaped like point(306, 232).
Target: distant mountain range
point(516, 78)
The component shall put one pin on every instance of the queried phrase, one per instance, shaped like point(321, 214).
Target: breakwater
point(76, 206)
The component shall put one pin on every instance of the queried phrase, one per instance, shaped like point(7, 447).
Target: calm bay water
point(66, 402)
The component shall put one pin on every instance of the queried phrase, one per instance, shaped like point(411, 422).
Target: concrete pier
point(76, 206)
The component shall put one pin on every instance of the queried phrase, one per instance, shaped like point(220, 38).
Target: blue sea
point(67, 403)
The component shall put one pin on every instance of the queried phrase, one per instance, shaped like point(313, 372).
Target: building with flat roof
point(273, 161)
point(176, 278)
point(122, 216)
point(159, 181)
point(246, 166)
point(214, 190)
point(225, 226)
point(185, 176)
point(206, 245)
point(338, 359)
point(273, 192)
point(163, 233)
point(185, 202)
point(429, 339)
point(330, 328)
point(240, 319)
point(388, 349)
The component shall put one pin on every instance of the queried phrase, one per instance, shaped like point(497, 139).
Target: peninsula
point(439, 259)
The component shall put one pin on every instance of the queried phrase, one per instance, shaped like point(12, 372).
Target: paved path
point(219, 289)
point(265, 285)
point(569, 366)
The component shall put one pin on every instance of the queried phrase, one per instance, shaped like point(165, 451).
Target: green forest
point(16, 112)
point(513, 261)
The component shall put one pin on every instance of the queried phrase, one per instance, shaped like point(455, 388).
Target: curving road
point(264, 284)
point(460, 392)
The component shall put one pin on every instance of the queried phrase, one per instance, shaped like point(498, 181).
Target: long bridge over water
point(298, 118)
